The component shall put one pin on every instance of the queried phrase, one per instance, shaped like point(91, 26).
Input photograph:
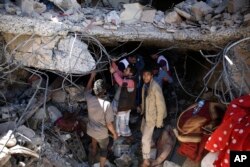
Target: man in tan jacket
point(153, 111)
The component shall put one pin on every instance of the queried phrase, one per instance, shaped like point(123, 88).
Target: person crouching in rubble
point(124, 99)
point(153, 109)
point(101, 116)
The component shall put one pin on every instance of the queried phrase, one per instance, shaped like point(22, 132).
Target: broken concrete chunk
point(72, 56)
point(27, 132)
point(132, 13)
point(4, 155)
point(228, 23)
point(75, 94)
point(54, 113)
point(39, 7)
point(201, 9)
point(237, 5)
point(148, 16)
point(183, 13)
point(40, 114)
point(173, 17)
point(113, 17)
point(8, 139)
point(66, 4)
point(27, 6)
point(59, 96)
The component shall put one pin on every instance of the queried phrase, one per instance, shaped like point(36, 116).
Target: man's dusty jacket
point(155, 108)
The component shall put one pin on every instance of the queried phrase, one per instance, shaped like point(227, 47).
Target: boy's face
point(147, 77)
point(127, 72)
point(132, 60)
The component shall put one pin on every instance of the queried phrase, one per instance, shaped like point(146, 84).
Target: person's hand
point(112, 70)
point(93, 74)
point(138, 109)
point(115, 136)
point(159, 124)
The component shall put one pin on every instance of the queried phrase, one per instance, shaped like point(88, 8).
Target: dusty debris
point(8, 139)
point(132, 13)
point(54, 113)
point(124, 161)
point(200, 9)
point(173, 17)
point(66, 4)
point(148, 16)
point(4, 155)
point(55, 54)
point(183, 13)
point(113, 17)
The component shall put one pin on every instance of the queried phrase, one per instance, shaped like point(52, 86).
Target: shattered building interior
point(50, 48)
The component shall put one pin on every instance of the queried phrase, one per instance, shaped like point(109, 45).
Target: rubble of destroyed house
point(49, 47)
point(207, 17)
point(112, 22)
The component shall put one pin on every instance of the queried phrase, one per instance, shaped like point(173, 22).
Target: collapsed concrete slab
point(188, 38)
point(65, 54)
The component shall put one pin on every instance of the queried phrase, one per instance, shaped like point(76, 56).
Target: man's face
point(132, 60)
point(154, 56)
point(147, 77)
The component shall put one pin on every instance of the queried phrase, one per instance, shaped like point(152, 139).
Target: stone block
point(183, 13)
point(173, 17)
point(66, 4)
point(132, 13)
point(148, 16)
point(201, 9)
point(27, 7)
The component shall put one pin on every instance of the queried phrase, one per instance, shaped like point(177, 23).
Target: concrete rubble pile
point(29, 133)
point(51, 131)
point(190, 20)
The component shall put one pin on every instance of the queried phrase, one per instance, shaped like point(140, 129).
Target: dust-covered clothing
point(123, 102)
point(154, 110)
point(99, 113)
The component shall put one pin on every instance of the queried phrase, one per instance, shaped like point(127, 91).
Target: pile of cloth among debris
point(207, 135)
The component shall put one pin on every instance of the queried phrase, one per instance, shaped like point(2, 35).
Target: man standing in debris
point(100, 116)
point(153, 111)
point(125, 96)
